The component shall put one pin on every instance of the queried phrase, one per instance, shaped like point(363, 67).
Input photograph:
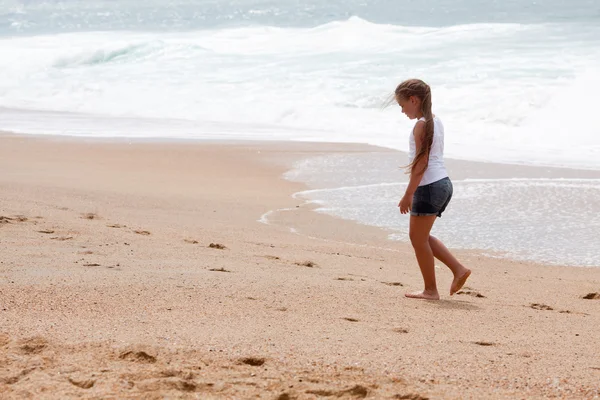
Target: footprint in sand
point(400, 330)
point(322, 393)
point(484, 343)
point(410, 396)
point(82, 383)
point(33, 345)
point(253, 361)
point(138, 356)
point(191, 241)
point(9, 220)
point(308, 264)
point(217, 246)
point(144, 233)
point(285, 396)
point(543, 307)
point(116, 226)
point(393, 283)
point(219, 270)
point(592, 296)
point(46, 231)
point(350, 319)
point(91, 265)
point(471, 293)
point(357, 391)
point(90, 216)
point(16, 378)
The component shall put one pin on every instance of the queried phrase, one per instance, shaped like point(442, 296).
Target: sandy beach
point(141, 270)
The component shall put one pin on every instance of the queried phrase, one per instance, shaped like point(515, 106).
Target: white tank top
point(436, 169)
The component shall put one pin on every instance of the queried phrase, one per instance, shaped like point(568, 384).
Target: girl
point(429, 189)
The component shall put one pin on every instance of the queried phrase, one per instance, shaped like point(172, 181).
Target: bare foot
point(459, 282)
point(424, 295)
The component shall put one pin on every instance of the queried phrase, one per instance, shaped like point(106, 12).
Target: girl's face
point(410, 106)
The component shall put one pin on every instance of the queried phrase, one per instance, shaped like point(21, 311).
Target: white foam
point(265, 218)
point(506, 92)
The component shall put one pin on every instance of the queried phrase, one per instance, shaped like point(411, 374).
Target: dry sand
point(109, 288)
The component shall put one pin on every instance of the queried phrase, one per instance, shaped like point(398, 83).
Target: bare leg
point(420, 226)
point(461, 273)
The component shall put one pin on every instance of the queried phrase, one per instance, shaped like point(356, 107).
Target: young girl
point(429, 190)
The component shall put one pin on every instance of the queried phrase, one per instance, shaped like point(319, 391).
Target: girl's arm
point(415, 178)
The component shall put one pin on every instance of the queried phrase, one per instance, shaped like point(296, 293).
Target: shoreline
point(460, 168)
point(110, 288)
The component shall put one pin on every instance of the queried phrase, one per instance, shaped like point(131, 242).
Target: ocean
point(513, 81)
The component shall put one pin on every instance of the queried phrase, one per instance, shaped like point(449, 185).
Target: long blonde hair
point(421, 90)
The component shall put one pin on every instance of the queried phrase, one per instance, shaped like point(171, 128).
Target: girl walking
point(429, 189)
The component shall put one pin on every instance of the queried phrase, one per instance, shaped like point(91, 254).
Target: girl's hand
point(405, 204)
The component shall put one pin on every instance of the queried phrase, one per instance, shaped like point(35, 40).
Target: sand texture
point(140, 270)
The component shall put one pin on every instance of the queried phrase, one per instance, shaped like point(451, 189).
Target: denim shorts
point(432, 199)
